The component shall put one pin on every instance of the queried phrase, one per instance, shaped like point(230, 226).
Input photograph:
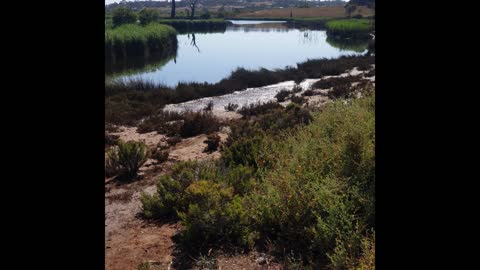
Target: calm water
point(210, 57)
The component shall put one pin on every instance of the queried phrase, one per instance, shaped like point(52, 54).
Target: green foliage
point(213, 142)
point(160, 155)
point(127, 158)
point(195, 123)
point(133, 39)
point(148, 15)
point(282, 95)
point(357, 28)
point(123, 15)
point(307, 191)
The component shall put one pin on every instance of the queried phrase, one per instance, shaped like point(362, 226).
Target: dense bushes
point(148, 15)
point(308, 192)
point(123, 15)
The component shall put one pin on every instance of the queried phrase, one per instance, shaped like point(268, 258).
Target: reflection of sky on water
point(216, 55)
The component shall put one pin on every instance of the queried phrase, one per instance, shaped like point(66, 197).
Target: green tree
point(148, 15)
point(123, 15)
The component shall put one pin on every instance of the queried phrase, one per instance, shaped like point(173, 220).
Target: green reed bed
point(135, 40)
point(353, 28)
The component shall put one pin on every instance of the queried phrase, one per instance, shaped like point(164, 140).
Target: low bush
point(282, 95)
point(213, 142)
point(309, 93)
point(335, 81)
point(173, 140)
point(209, 106)
point(127, 158)
point(257, 109)
point(231, 107)
point(340, 91)
point(196, 123)
point(160, 155)
point(298, 99)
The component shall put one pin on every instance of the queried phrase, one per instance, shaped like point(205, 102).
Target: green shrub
point(112, 167)
point(282, 95)
point(148, 15)
point(298, 99)
point(258, 109)
point(160, 155)
point(123, 15)
point(196, 123)
point(127, 157)
point(231, 107)
point(213, 142)
point(170, 197)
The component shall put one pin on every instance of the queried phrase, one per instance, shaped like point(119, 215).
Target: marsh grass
point(136, 40)
point(353, 28)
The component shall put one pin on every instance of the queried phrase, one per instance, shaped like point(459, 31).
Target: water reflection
point(356, 45)
point(266, 27)
point(138, 64)
point(194, 42)
point(270, 46)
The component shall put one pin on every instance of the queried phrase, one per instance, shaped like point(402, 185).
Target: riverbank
point(129, 102)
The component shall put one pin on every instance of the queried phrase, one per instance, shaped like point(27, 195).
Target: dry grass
point(326, 12)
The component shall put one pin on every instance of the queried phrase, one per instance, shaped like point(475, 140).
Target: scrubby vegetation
point(128, 102)
point(126, 159)
point(304, 190)
point(213, 142)
point(283, 95)
point(336, 81)
point(231, 107)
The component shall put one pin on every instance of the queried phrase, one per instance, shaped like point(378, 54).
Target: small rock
point(261, 260)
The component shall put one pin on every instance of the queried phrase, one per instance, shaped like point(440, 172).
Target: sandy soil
point(129, 239)
point(151, 139)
